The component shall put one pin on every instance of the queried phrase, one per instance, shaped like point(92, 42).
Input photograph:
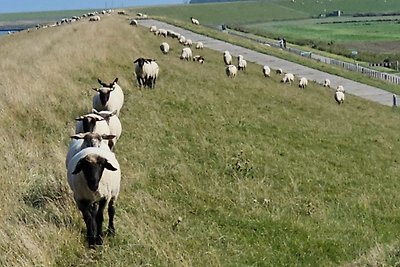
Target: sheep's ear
point(95, 111)
point(78, 136)
point(101, 83)
point(136, 61)
point(78, 168)
point(99, 119)
point(96, 89)
point(79, 118)
point(113, 113)
point(115, 81)
point(109, 166)
point(108, 136)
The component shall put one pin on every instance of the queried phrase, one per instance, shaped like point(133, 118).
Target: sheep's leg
point(88, 211)
point(111, 213)
point(99, 222)
point(154, 82)
point(139, 80)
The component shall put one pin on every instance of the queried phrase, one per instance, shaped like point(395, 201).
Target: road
point(352, 87)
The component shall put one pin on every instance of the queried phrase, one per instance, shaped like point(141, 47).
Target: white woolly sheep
point(327, 83)
point(288, 78)
point(133, 22)
point(95, 18)
point(340, 88)
point(188, 42)
point(153, 28)
point(113, 123)
point(194, 21)
point(199, 45)
point(279, 71)
point(303, 82)
point(109, 97)
point(94, 177)
point(199, 58)
point(92, 123)
point(164, 47)
point(242, 64)
point(146, 71)
point(231, 71)
point(266, 71)
point(83, 140)
point(186, 53)
point(339, 96)
point(182, 39)
point(227, 58)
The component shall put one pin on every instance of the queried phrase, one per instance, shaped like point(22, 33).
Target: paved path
point(351, 87)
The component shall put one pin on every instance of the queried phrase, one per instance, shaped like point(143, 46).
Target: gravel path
point(354, 88)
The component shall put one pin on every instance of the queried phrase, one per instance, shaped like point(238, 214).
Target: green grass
point(41, 16)
point(262, 173)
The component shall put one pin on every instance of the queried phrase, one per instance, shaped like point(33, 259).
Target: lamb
point(186, 53)
point(94, 177)
point(303, 82)
point(339, 95)
point(227, 58)
point(199, 45)
point(231, 71)
point(113, 123)
point(164, 47)
point(194, 21)
point(288, 78)
point(146, 71)
point(242, 64)
point(266, 71)
point(199, 58)
point(327, 83)
point(84, 140)
point(109, 97)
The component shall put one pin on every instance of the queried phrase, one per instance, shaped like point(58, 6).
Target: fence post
point(394, 100)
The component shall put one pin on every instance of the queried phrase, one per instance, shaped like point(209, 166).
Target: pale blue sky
point(7, 6)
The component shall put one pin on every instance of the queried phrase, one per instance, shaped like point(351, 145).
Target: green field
point(262, 173)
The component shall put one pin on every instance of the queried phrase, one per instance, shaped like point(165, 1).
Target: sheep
point(242, 64)
point(340, 88)
point(194, 21)
point(133, 22)
point(266, 71)
point(186, 53)
point(199, 45)
point(339, 95)
point(94, 177)
point(109, 97)
point(83, 140)
point(231, 71)
point(91, 123)
point(162, 32)
point(95, 18)
point(164, 47)
point(182, 39)
point(188, 42)
point(113, 123)
point(303, 82)
point(279, 71)
point(146, 71)
point(288, 78)
point(327, 83)
point(199, 58)
point(227, 58)
point(153, 28)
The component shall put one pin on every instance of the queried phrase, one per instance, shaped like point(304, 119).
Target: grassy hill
point(261, 173)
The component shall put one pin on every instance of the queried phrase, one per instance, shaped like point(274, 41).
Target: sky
point(11, 6)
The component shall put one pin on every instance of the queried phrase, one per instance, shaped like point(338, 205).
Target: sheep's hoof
point(111, 232)
point(99, 240)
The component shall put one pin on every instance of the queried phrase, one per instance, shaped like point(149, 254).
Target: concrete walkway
point(354, 88)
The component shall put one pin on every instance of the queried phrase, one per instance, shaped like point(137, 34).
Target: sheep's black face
point(104, 95)
point(93, 168)
point(88, 124)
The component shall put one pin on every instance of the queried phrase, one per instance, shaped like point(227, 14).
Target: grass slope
point(261, 173)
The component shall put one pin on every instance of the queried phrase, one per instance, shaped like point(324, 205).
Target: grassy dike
point(261, 173)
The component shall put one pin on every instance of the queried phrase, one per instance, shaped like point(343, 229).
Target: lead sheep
point(164, 47)
point(94, 177)
point(109, 97)
point(146, 71)
point(266, 71)
point(288, 78)
point(227, 58)
point(186, 53)
point(303, 82)
point(231, 71)
point(242, 63)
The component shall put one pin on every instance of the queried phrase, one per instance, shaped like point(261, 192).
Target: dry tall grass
point(261, 173)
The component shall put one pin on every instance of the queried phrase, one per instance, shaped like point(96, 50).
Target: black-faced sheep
point(227, 58)
point(231, 71)
point(266, 71)
point(113, 123)
point(109, 97)
point(303, 82)
point(94, 177)
point(242, 63)
point(186, 53)
point(146, 71)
